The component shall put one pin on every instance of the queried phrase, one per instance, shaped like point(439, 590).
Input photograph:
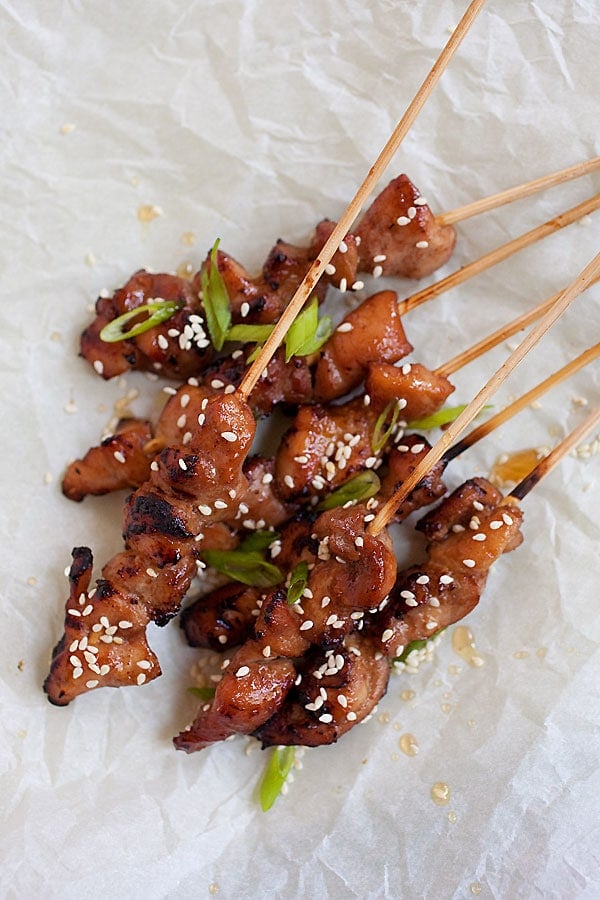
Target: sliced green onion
point(249, 333)
point(416, 645)
point(215, 300)
point(202, 693)
point(442, 417)
point(307, 333)
point(381, 434)
point(259, 540)
point(362, 486)
point(298, 581)
point(276, 772)
point(248, 568)
point(158, 311)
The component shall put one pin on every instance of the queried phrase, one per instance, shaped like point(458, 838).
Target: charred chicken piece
point(399, 464)
point(399, 233)
point(119, 462)
point(192, 487)
point(357, 575)
point(418, 390)
point(449, 583)
point(177, 348)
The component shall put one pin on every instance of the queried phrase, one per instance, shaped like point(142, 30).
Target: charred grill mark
point(151, 514)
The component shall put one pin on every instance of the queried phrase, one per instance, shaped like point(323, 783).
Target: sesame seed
point(330, 269)
point(402, 220)
point(243, 670)
point(220, 504)
point(377, 271)
point(205, 510)
point(507, 519)
point(343, 248)
point(351, 716)
point(289, 481)
point(201, 419)
point(423, 579)
point(431, 625)
point(479, 537)
point(469, 563)
point(478, 506)
point(77, 673)
point(301, 459)
point(119, 456)
point(181, 421)
point(325, 602)
point(387, 634)
point(345, 327)
point(326, 718)
point(151, 573)
point(411, 212)
point(244, 309)
point(358, 285)
point(144, 664)
point(266, 652)
point(74, 612)
point(359, 541)
point(105, 669)
point(338, 624)
point(495, 525)
point(222, 639)
point(332, 618)
point(420, 201)
point(182, 464)
point(422, 244)
point(229, 436)
point(92, 684)
point(87, 610)
point(162, 342)
point(407, 595)
point(267, 478)
point(306, 626)
point(411, 601)
point(99, 366)
point(216, 383)
point(343, 286)
point(417, 448)
point(141, 678)
point(433, 601)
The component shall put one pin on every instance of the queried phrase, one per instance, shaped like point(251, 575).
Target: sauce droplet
point(213, 888)
point(440, 793)
point(188, 238)
point(408, 744)
point(541, 652)
point(521, 654)
point(407, 695)
point(475, 888)
point(147, 212)
point(512, 467)
point(185, 270)
point(452, 817)
point(463, 643)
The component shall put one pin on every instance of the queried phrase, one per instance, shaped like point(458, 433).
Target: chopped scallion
point(157, 311)
point(362, 486)
point(381, 432)
point(298, 581)
point(246, 567)
point(216, 301)
point(276, 772)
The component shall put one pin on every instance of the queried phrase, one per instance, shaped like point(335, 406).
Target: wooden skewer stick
point(496, 337)
point(517, 193)
point(580, 284)
point(520, 403)
point(317, 268)
point(554, 457)
point(499, 254)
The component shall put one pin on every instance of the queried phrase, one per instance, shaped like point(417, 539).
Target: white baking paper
point(249, 121)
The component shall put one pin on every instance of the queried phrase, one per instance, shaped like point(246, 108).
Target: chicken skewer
point(147, 581)
point(224, 618)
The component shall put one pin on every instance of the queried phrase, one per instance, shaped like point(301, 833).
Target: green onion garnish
point(202, 693)
point(249, 333)
point(298, 581)
point(381, 434)
point(258, 540)
point(362, 486)
point(246, 567)
point(158, 311)
point(216, 301)
point(442, 417)
point(307, 333)
point(276, 772)
point(416, 645)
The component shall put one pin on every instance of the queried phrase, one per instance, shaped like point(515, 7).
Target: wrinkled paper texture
point(250, 121)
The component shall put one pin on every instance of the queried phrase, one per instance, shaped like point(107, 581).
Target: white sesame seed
point(204, 509)
point(325, 602)
point(423, 579)
point(507, 519)
point(359, 541)
point(301, 459)
point(162, 342)
point(181, 421)
point(201, 419)
point(495, 525)
point(422, 244)
point(74, 612)
point(222, 638)
point(417, 448)
point(92, 684)
point(220, 504)
point(306, 626)
point(411, 212)
point(330, 269)
point(345, 327)
point(98, 366)
point(358, 285)
point(125, 624)
point(480, 536)
point(182, 464)
point(343, 248)
point(266, 652)
point(332, 618)
point(154, 466)
point(343, 286)
point(402, 220)
point(387, 634)
point(326, 718)
point(244, 309)
point(216, 383)
point(151, 573)
point(243, 670)
point(351, 716)
point(469, 563)
point(288, 481)
point(229, 436)
point(478, 506)
point(420, 201)
point(119, 456)
point(411, 601)
point(430, 625)
point(433, 601)
point(141, 678)
point(87, 610)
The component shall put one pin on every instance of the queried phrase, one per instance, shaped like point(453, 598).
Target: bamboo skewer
point(580, 284)
point(485, 204)
point(553, 458)
point(317, 268)
point(499, 254)
point(520, 403)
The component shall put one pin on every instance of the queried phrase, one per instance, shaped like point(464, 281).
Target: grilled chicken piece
point(223, 618)
point(119, 462)
point(370, 333)
point(419, 390)
point(460, 510)
point(339, 689)
point(177, 348)
point(193, 486)
point(400, 463)
point(357, 575)
point(399, 233)
point(448, 585)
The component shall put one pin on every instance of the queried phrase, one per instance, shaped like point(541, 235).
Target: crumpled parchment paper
point(250, 121)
